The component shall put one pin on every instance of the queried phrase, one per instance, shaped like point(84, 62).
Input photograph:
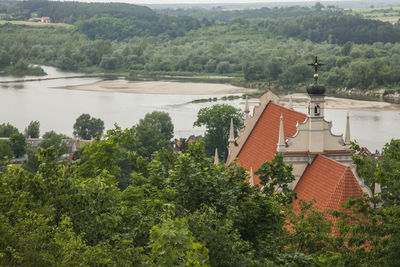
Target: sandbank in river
point(300, 100)
point(189, 88)
point(160, 88)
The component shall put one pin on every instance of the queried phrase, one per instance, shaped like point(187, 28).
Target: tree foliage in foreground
point(18, 144)
point(111, 205)
point(65, 214)
point(52, 139)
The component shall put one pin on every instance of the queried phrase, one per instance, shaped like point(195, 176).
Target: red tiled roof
point(262, 141)
point(329, 182)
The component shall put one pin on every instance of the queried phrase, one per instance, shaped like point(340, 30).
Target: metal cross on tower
point(316, 65)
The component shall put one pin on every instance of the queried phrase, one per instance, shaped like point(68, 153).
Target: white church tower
point(314, 135)
point(316, 108)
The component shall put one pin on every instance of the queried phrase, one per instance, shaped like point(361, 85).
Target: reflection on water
point(57, 109)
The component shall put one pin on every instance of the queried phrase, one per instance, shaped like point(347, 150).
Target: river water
point(57, 109)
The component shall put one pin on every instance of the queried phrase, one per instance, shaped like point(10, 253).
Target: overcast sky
point(197, 1)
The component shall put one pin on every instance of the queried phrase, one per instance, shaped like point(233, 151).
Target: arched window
point(316, 110)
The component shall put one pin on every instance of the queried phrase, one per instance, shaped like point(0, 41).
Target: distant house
point(35, 19)
point(45, 20)
point(42, 20)
point(5, 16)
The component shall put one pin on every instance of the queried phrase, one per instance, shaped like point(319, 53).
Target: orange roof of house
point(329, 182)
point(262, 142)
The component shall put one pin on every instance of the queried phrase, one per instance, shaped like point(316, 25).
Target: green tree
point(211, 65)
point(346, 49)
point(318, 6)
point(32, 163)
point(274, 68)
point(223, 67)
point(172, 245)
point(153, 133)
point(109, 63)
point(5, 150)
point(52, 139)
point(33, 130)
point(55, 218)
point(309, 230)
point(160, 120)
point(17, 52)
point(254, 70)
point(217, 120)
point(4, 59)
point(18, 144)
point(6, 130)
point(197, 181)
point(86, 127)
point(366, 167)
point(217, 233)
point(276, 176)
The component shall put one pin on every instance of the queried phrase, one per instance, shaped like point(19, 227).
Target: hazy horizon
point(166, 2)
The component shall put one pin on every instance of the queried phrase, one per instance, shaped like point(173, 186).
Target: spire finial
point(316, 65)
point(347, 137)
point(246, 108)
point(251, 177)
point(281, 141)
point(231, 134)
point(216, 159)
point(290, 103)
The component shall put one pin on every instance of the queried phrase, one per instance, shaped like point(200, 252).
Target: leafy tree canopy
point(33, 130)
point(52, 139)
point(217, 121)
point(6, 149)
point(6, 130)
point(86, 127)
point(18, 144)
point(153, 132)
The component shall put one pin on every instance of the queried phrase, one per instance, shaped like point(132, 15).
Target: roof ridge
point(254, 126)
point(292, 110)
point(269, 103)
point(337, 162)
point(337, 186)
point(249, 124)
point(343, 185)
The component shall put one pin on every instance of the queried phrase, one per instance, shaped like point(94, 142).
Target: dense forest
point(267, 46)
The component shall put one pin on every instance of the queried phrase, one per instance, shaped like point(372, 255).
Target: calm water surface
point(57, 109)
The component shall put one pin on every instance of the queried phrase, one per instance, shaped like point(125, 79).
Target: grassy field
point(38, 24)
point(386, 14)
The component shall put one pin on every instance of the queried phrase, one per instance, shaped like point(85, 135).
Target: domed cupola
point(316, 94)
point(316, 88)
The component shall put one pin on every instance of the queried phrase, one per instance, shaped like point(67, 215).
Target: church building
point(322, 163)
